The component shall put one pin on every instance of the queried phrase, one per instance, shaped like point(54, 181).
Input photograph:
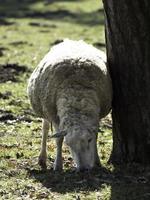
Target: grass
point(28, 29)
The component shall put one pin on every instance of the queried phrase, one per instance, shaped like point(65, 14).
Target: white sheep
point(71, 88)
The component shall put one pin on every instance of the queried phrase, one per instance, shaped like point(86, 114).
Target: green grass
point(28, 29)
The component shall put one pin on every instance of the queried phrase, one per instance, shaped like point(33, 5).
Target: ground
point(28, 29)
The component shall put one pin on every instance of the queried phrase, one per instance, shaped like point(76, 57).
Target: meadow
point(28, 29)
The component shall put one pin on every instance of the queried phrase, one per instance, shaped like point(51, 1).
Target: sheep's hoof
point(42, 163)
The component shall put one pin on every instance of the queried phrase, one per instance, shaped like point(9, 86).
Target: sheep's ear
point(59, 134)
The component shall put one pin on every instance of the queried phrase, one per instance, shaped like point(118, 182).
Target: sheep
point(71, 88)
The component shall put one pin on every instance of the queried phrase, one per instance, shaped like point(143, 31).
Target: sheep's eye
point(89, 140)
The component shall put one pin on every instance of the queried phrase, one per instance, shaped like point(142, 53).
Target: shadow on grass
point(133, 182)
point(23, 9)
point(127, 183)
point(70, 181)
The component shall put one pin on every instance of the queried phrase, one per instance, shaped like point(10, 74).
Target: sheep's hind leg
point(43, 152)
point(58, 160)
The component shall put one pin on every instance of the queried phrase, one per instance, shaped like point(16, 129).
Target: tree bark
point(128, 52)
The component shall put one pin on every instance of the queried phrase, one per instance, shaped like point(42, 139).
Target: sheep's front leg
point(97, 161)
point(58, 160)
point(43, 152)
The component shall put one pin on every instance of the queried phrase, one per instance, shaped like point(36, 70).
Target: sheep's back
point(69, 64)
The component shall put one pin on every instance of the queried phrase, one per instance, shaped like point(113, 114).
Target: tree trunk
point(128, 51)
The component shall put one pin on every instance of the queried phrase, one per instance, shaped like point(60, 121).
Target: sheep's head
point(82, 143)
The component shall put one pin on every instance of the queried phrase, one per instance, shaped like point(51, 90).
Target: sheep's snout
point(83, 152)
